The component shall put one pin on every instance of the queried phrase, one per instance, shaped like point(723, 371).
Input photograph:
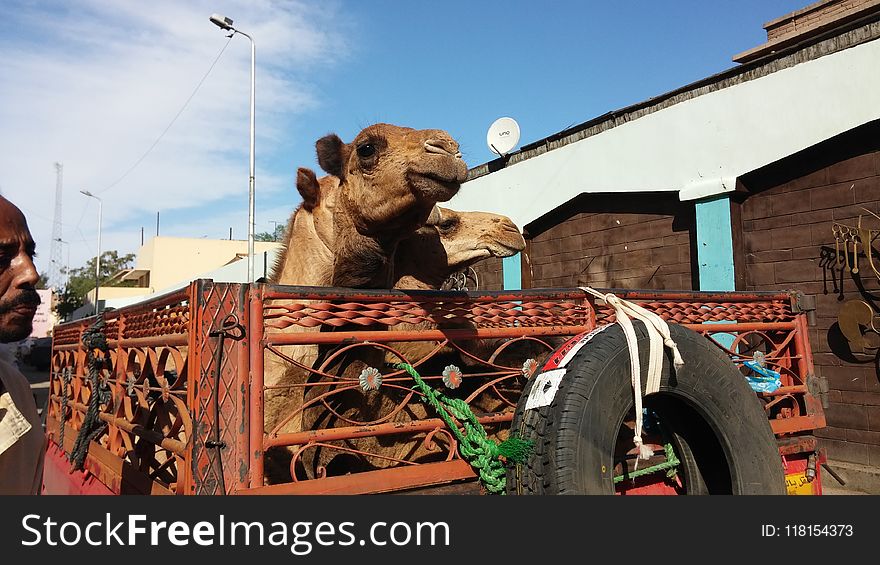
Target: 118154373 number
point(807, 530)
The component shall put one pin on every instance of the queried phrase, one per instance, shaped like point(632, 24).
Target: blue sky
point(94, 83)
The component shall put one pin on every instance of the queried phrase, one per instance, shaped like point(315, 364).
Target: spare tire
point(711, 417)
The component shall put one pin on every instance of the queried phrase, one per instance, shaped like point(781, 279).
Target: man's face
point(18, 298)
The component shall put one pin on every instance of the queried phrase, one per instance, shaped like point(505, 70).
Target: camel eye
point(365, 150)
point(447, 225)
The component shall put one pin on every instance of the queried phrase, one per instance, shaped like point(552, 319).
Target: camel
point(424, 261)
point(310, 233)
point(456, 241)
point(382, 187)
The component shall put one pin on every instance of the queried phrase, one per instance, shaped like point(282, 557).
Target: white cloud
point(94, 85)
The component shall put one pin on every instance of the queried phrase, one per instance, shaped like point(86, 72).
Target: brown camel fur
point(390, 179)
point(458, 240)
point(424, 260)
point(306, 258)
point(384, 185)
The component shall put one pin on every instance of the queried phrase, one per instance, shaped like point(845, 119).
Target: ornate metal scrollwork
point(462, 280)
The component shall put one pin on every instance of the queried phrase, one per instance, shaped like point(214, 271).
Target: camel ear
point(434, 217)
point(308, 187)
point(332, 154)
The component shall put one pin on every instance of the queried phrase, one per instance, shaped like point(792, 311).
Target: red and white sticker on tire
point(569, 349)
point(547, 382)
point(544, 390)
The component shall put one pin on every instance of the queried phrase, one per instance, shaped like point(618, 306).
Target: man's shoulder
point(12, 380)
point(7, 352)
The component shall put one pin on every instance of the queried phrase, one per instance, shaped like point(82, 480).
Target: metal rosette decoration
point(370, 379)
point(452, 377)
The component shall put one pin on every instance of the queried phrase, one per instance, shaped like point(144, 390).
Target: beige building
point(166, 263)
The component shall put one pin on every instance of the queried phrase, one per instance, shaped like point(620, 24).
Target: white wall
point(698, 146)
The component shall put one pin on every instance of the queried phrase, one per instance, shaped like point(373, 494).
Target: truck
point(172, 397)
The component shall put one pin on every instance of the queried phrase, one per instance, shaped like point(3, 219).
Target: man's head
point(18, 297)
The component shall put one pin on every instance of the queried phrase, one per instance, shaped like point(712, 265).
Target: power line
point(158, 139)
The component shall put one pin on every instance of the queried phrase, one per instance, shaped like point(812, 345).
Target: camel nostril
point(443, 147)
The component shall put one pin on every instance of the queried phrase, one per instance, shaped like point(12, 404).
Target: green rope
point(474, 445)
point(669, 466)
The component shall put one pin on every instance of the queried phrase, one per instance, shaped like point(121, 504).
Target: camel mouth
point(434, 186)
point(438, 177)
point(487, 249)
point(465, 260)
point(451, 183)
point(508, 243)
point(504, 249)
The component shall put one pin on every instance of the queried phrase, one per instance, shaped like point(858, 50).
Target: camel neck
point(307, 259)
point(362, 262)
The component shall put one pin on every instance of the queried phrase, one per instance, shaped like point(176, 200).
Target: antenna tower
point(55, 258)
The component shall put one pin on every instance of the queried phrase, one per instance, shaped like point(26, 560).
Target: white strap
point(659, 336)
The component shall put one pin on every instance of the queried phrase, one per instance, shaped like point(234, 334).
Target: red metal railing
point(145, 444)
point(190, 416)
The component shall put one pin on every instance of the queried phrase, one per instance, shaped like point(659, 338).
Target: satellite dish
point(503, 135)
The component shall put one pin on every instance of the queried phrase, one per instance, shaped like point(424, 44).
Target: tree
point(267, 236)
point(82, 280)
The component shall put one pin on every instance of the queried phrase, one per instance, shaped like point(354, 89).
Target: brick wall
point(489, 274)
point(614, 241)
point(786, 215)
point(813, 16)
point(812, 23)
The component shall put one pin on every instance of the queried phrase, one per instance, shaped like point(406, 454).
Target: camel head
point(319, 203)
point(310, 233)
point(391, 177)
point(456, 241)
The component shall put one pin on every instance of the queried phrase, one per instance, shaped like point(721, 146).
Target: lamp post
point(225, 23)
point(98, 255)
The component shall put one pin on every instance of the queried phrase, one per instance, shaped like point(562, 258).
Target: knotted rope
point(477, 449)
point(93, 338)
point(66, 375)
point(658, 335)
point(670, 466)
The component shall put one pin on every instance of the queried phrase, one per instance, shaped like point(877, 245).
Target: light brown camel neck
point(308, 257)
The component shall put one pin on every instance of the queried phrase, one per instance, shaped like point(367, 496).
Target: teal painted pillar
point(715, 244)
point(511, 272)
point(715, 250)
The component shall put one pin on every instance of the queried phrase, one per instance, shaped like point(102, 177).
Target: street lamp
point(225, 23)
point(98, 256)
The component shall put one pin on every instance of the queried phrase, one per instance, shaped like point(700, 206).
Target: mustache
point(24, 298)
